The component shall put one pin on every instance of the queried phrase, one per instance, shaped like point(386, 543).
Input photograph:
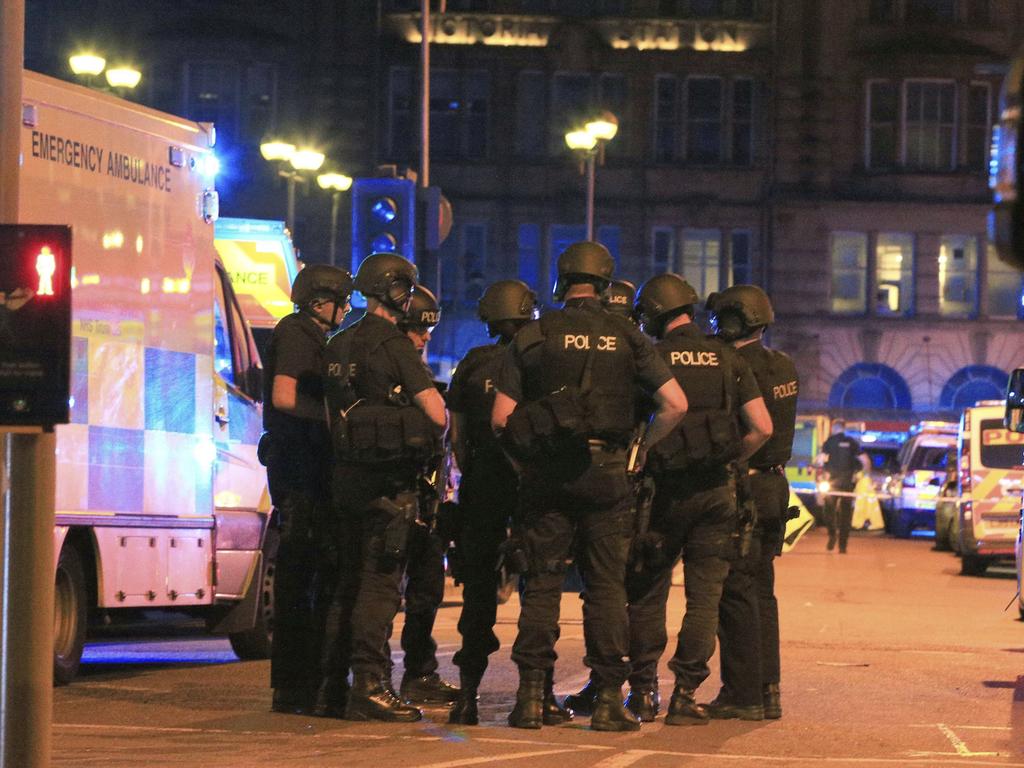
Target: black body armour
point(479, 371)
point(371, 418)
point(779, 384)
point(709, 434)
point(567, 338)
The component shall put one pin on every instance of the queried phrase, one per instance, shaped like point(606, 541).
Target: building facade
point(833, 151)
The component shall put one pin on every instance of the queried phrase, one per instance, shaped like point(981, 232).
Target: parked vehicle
point(160, 499)
point(990, 480)
point(811, 432)
point(947, 509)
point(915, 487)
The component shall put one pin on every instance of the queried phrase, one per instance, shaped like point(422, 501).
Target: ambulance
point(989, 482)
point(811, 431)
point(260, 260)
point(160, 499)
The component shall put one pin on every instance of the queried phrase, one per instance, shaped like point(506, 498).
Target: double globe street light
point(588, 142)
point(89, 66)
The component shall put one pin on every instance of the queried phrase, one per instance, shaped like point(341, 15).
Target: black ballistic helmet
point(507, 300)
point(739, 310)
point(321, 281)
point(585, 261)
point(423, 312)
point(661, 298)
point(620, 297)
point(387, 277)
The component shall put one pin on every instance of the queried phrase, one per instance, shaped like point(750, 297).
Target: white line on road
point(964, 727)
point(170, 729)
point(959, 745)
point(494, 758)
point(624, 759)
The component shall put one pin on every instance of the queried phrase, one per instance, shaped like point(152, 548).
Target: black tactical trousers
point(424, 591)
point(697, 522)
point(748, 616)
point(595, 509)
point(838, 511)
point(299, 490)
point(368, 593)
point(487, 500)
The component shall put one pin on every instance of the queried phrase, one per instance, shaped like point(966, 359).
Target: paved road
point(890, 658)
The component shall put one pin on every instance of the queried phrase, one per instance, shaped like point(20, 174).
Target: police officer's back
point(296, 451)
point(386, 417)
point(565, 406)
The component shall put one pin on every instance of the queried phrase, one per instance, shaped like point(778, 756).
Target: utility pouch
point(379, 433)
point(401, 513)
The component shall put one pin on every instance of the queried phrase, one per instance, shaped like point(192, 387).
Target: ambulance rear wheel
point(69, 615)
point(255, 643)
point(973, 565)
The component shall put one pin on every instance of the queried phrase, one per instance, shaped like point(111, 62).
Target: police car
point(915, 487)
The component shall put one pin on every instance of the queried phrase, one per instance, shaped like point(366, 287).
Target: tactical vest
point(563, 401)
point(478, 373)
point(372, 419)
point(709, 435)
point(777, 379)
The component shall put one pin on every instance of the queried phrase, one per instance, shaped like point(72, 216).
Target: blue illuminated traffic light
point(383, 218)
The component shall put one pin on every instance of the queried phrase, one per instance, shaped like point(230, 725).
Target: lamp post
point(589, 142)
point(336, 183)
point(88, 66)
point(301, 160)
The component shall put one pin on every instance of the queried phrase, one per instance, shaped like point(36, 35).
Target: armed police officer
point(296, 450)
point(620, 298)
point(487, 491)
point(386, 420)
point(564, 408)
point(842, 457)
point(694, 511)
point(748, 616)
point(424, 571)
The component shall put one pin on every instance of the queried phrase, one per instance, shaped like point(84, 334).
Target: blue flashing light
point(211, 166)
point(384, 210)
point(384, 244)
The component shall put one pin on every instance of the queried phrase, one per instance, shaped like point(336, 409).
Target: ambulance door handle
point(221, 417)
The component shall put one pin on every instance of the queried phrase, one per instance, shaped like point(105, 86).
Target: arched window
point(971, 384)
point(870, 385)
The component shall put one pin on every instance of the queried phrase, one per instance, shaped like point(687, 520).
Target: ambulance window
point(223, 361)
point(246, 362)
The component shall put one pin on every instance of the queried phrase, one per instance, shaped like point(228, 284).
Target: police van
point(921, 469)
point(160, 499)
point(989, 483)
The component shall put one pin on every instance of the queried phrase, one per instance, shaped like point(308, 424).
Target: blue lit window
point(971, 384)
point(223, 363)
point(870, 385)
point(530, 256)
point(739, 257)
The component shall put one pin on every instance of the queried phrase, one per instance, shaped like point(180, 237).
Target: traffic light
point(383, 218)
point(35, 324)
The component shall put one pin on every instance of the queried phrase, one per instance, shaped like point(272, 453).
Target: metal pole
point(290, 217)
point(27, 487)
point(590, 194)
point(335, 204)
point(425, 97)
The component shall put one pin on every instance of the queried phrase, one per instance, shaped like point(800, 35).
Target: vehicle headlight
point(824, 486)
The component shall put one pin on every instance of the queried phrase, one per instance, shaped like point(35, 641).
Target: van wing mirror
point(1014, 419)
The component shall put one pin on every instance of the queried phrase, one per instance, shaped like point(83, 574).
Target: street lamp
point(336, 183)
point(124, 77)
point(88, 66)
point(589, 142)
point(301, 160)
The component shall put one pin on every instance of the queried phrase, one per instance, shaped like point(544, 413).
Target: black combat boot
point(292, 701)
point(583, 701)
point(723, 709)
point(645, 702)
point(528, 712)
point(684, 710)
point(369, 699)
point(772, 699)
point(331, 698)
point(464, 710)
point(428, 689)
point(554, 714)
point(610, 714)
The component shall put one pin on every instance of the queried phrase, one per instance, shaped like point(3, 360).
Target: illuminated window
point(1005, 297)
point(894, 273)
point(702, 259)
point(883, 111)
point(704, 119)
point(978, 125)
point(929, 115)
point(849, 272)
point(958, 276)
point(663, 250)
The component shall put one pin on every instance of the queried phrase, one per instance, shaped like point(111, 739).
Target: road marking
point(217, 731)
point(842, 663)
point(624, 759)
point(501, 758)
point(965, 727)
point(959, 745)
